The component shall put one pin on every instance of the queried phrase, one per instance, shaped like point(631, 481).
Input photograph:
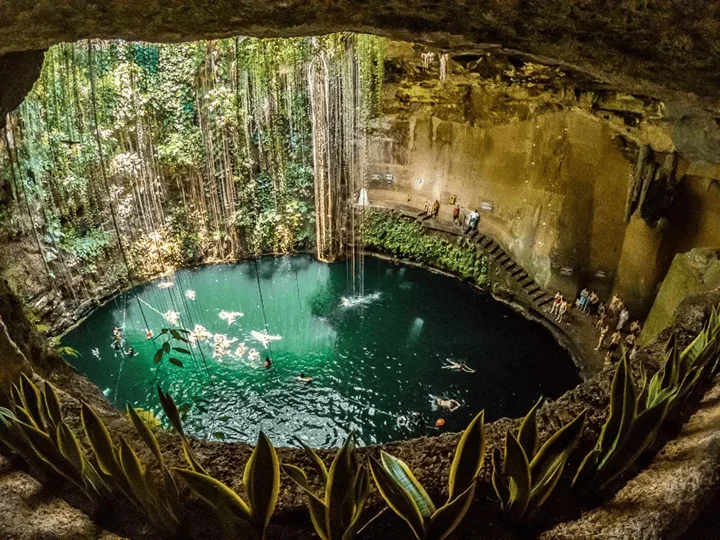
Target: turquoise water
point(374, 361)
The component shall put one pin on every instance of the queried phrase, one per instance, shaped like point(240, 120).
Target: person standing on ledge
point(435, 209)
point(603, 334)
point(624, 316)
point(614, 344)
point(456, 215)
point(562, 310)
point(557, 299)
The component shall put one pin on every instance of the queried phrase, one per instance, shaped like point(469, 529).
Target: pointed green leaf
point(317, 462)
point(31, 399)
point(181, 350)
point(171, 411)
point(145, 433)
point(176, 362)
point(69, 446)
point(100, 441)
point(544, 489)
point(166, 347)
point(468, 458)
point(315, 505)
point(402, 474)
point(339, 488)
point(158, 356)
point(215, 493)
point(52, 404)
point(587, 470)
point(446, 519)
point(262, 482)
point(397, 498)
point(527, 434)
point(498, 479)
point(556, 450)
point(517, 470)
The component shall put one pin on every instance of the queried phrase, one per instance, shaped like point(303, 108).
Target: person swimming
point(448, 404)
point(303, 378)
point(268, 363)
point(149, 334)
point(130, 352)
point(458, 366)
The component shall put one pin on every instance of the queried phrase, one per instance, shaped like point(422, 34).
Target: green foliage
point(33, 428)
point(525, 476)
point(338, 514)
point(261, 481)
point(634, 418)
point(169, 348)
point(409, 500)
point(393, 233)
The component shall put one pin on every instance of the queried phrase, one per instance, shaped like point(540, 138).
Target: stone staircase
point(500, 260)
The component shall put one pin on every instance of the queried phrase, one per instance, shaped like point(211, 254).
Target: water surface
point(374, 360)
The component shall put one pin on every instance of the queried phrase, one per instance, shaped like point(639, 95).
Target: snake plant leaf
point(215, 493)
point(527, 434)
point(623, 408)
point(362, 490)
point(544, 489)
point(643, 433)
point(134, 473)
point(31, 399)
point(446, 518)
point(315, 458)
point(469, 457)
point(51, 404)
point(171, 411)
point(339, 487)
point(402, 474)
point(262, 481)
point(517, 470)
point(100, 441)
point(46, 450)
point(190, 457)
point(556, 450)
point(397, 498)
point(498, 479)
point(315, 505)
point(69, 446)
point(145, 433)
point(23, 415)
point(587, 470)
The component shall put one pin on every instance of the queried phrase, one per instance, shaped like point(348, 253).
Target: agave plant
point(408, 499)
point(338, 514)
point(34, 429)
point(261, 480)
point(525, 476)
point(626, 432)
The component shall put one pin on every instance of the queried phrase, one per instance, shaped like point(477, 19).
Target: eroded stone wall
point(550, 161)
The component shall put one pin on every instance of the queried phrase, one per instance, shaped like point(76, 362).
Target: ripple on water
point(373, 359)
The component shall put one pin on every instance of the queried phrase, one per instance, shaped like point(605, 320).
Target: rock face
point(690, 273)
point(18, 71)
point(640, 46)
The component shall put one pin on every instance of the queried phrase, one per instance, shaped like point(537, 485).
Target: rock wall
point(581, 185)
point(691, 273)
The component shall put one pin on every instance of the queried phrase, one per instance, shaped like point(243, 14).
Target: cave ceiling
point(667, 49)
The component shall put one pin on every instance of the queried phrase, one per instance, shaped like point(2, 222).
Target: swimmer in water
point(268, 363)
point(130, 352)
point(448, 404)
point(458, 366)
point(149, 334)
point(303, 378)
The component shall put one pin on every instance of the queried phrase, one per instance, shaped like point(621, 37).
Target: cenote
point(375, 359)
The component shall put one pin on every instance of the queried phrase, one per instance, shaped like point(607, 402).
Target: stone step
point(521, 276)
point(538, 295)
point(528, 284)
point(495, 249)
point(499, 256)
point(487, 243)
point(473, 235)
point(510, 266)
point(480, 238)
point(517, 271)
point(533, 288)
point(545, 301)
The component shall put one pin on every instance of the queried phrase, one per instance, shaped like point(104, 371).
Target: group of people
point(615, 317)
point(118, 342)
point(473, 221)
point(610, 319)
